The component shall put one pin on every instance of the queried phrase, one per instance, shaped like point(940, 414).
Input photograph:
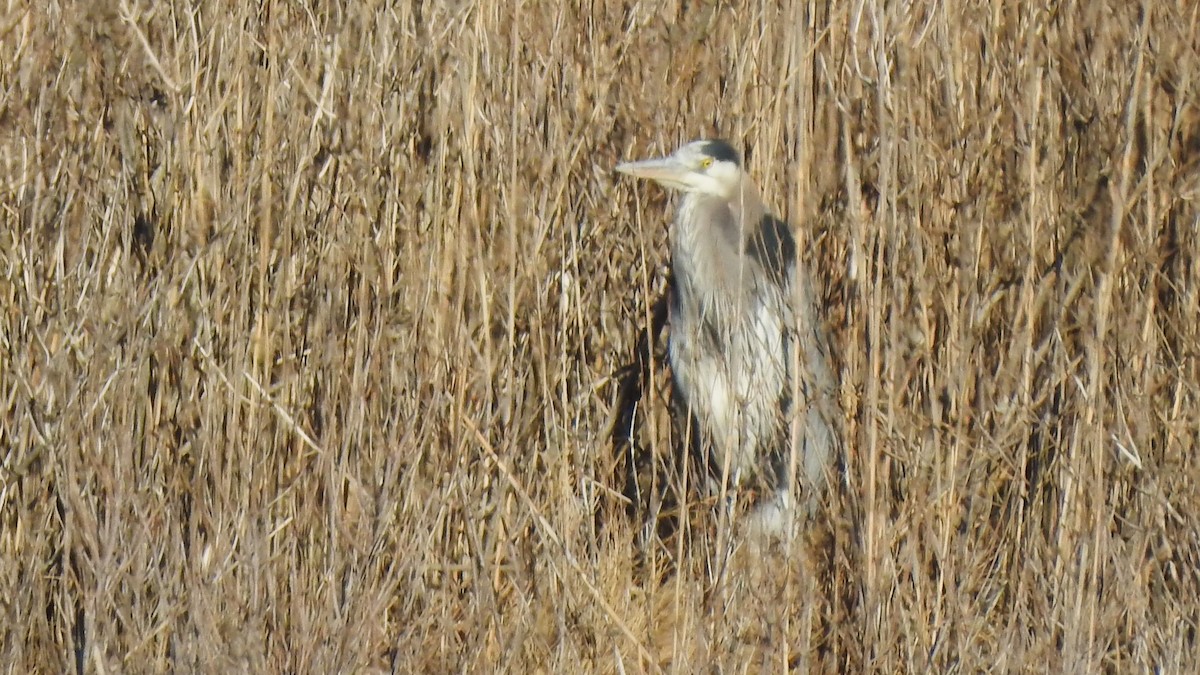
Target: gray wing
point(774, 248)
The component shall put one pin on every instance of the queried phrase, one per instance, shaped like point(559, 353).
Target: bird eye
point(706, 162)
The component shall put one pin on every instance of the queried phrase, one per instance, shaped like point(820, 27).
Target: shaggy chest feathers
point(728, 345)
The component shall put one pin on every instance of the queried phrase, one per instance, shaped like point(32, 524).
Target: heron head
point(705, 167)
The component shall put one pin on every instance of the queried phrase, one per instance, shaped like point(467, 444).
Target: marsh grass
point(310, 318)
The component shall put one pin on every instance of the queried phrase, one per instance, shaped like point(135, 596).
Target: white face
point(690, 169)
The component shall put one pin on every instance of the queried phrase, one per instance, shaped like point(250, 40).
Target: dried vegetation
point(309, 317)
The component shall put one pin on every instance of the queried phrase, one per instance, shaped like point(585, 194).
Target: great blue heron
point(746, 348)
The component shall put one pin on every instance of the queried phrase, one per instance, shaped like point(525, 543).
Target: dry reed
point(310, 314)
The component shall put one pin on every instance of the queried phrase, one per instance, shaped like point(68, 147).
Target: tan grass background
point(309, 315)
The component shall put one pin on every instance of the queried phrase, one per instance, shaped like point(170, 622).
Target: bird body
point(747, 353)
point(726, 345)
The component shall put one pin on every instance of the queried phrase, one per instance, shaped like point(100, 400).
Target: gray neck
point(708, 245)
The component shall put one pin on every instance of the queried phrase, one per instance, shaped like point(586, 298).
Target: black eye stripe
point(722, 151)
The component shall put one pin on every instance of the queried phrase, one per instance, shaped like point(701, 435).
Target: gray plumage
point(747, 351)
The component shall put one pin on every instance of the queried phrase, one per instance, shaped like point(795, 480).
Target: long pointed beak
point(666, 170)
